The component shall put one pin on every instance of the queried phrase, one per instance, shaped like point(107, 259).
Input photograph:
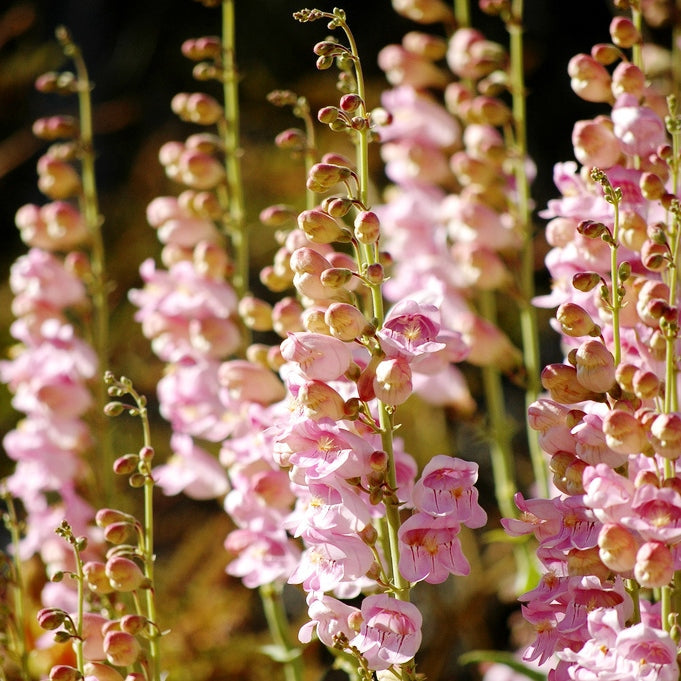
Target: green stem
point(500, 446)
point(148, 548)
point(275, 614)
point(528, 315)
point(89, 205)
point(236, 229)
point(12, 524)
point(462, 13)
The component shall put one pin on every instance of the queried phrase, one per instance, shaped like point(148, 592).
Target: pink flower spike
point(430, 549)
point(390, 633)
point(447, 487)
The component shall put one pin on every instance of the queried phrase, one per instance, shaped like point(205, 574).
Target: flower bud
point(277, 215)
point(654, 256)
point(632, 229)
point(323, 176)
point(133, 623)
point(106, 516)
point(561, 382)
point(63, 672)
point(50, 618)
point(628, 79)
point(292, 139)
point(55, 127)
point(652, 186)
point(665, 435)
point(205, 47)
point(624, 33)
point(320, 400)
point(605, 54)
point(392, 381)
point(255, 313)
point(122, 649)
point(595, 366)
point(595, 143)
point(589, 79)
point(98, 671)
point(646, 384)
point(586, 562)
point(617, 547)
point(124, 574)
point(654, 565)
point(345, 321)
point(57, 179)
point(624, 433)
point(197, 107)
point(286, 316)
point(586, 281)
point(321, 228)
point(575, 321)
point(126, 464)
point(367, 227)
point(96, 578)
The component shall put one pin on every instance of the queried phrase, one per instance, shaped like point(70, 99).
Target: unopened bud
point(586, 281)
point(665, 435)
point(124, 574)
point(133, 623)
point(255, 313)
point(617, 547)
point(595, 366)
point(652, 186)
point(117, 533)
point(654, 566)
point(624, 33)
point(292, 139)
point(51, 618)
point(575, 321)
point(345, 321)
point(277, 215)
point(561, 382)
point(95, 576)
point(106, 516)
point(375, 274)
point(624, 433)
point(126, 464)
point(367, 227)
point(63, 672)
point(122, 649)
point(323, 176)
point(321, 228)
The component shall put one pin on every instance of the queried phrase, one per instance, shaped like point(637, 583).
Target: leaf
point(501, 657)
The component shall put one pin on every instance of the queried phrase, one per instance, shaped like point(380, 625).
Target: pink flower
point(390, 632)
point(320, 357)
point(430, 549)
point(329, 618)
point(331, 560)
point(411, 329)
point(321, 449)
point(639, 129)
point(419, 118)
point(191, 470)
point(447, 487)
point(262, 557)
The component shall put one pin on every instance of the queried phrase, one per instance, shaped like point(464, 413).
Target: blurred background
point(132, 50)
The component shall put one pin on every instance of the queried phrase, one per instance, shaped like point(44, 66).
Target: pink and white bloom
point(430, 549)
point(390, 632)
point(447, 487)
